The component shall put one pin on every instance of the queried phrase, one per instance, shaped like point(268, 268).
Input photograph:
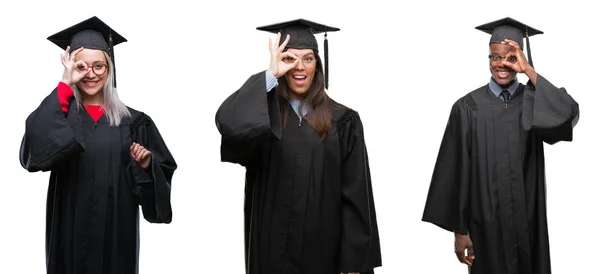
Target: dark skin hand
point(521, 65)
point(462, 242)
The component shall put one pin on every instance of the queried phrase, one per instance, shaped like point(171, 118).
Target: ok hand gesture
point(74, 71)
point(521, 65)
point(278, 66)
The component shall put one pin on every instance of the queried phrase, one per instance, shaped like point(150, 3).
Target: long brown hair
point(316, 100)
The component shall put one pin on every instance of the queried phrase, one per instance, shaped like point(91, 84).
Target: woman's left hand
point(141, 155)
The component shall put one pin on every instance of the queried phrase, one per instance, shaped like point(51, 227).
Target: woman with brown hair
point(309, 204)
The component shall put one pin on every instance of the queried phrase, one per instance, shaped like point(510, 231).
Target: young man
point(488, 185)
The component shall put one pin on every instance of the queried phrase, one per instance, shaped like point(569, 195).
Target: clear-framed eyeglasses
point(307, 61)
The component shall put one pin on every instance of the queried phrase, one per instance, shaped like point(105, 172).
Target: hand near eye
point(72, 75)
point(141, 155)
point(521, 65)
point(278, 67)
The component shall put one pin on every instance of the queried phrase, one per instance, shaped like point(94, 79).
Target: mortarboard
point(302, 36)
point(92, 34)
point(508, 28)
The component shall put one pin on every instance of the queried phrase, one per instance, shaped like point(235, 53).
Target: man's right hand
point(462, 242)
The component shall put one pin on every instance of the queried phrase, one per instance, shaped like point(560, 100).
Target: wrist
point(457, 234)
point(274, 74)
point(67, 82)
point(530, 71)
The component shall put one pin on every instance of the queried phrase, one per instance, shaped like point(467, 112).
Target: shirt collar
point(497, 89)
point(295, 104)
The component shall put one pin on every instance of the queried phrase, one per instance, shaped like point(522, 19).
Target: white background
point(400, 66)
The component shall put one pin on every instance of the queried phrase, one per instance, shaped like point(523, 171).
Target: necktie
point(505, 95)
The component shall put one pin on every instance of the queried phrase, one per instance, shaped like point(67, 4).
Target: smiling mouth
point(91, 84)
point(503, 73)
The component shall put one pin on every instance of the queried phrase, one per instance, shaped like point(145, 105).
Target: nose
point(90, 74)
point(300, 65)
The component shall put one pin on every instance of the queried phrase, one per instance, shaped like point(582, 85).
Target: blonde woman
point(105, 160)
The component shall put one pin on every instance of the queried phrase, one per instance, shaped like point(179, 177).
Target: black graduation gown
point(96, 187)
point(488, 180)
point(309, 204)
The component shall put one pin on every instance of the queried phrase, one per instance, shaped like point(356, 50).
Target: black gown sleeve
point(549, 111)
point(447, 204)
point(51, 136)
point(246, 119)
point(360, 247)
point(153, 186)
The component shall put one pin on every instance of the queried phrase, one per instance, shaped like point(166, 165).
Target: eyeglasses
point(98, 69)
point(306, 60)
point(497, 58)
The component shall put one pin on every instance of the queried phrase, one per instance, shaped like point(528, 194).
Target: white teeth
point(299, 77)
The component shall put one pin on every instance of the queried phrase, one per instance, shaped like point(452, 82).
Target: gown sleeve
point(52, 134)
point(447, 203)
point(360, 247)
point(549, 111)
point(153, 185)
point(246, 119)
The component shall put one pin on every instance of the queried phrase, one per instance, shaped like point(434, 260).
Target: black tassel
point(528, 49)
point(112, 56)
point(326, 46)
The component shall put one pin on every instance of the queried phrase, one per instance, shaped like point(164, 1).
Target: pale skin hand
point(141, 155)
point(521, 66)
point(277, 67)
point(462, 242)
point(71, 74)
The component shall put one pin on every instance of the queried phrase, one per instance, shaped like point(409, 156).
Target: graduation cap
point(91, 34)
point(302, 36)
point(508, 28)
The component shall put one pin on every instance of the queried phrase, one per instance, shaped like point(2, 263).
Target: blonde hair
point(114, 109)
